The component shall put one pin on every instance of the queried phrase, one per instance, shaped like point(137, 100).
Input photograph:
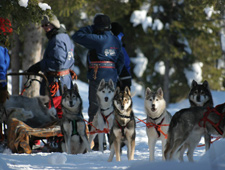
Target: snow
point(213, 159)
point(23, 3)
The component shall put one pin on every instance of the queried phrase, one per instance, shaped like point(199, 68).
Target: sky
point(213, 159)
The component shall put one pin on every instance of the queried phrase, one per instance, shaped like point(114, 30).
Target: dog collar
point(155, 118)
point(105, 109)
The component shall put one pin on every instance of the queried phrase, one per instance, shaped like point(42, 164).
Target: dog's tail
point(170, 137)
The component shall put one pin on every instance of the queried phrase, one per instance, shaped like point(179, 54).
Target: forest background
point(186, 34)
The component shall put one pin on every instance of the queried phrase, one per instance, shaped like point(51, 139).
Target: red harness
point(206, 119)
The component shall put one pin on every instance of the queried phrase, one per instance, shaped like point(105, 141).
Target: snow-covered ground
point(213, 159)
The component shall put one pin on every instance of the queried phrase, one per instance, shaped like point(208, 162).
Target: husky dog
point(105, 115)
point(157, 117)
point(189, 125)
point(41, 114)
point(200, 94)
point(123, 129)
point(72, 123)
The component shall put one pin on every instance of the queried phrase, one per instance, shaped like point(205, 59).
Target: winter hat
point(53, 20)
point(5, 26)
point(102, 21)
point(116, 28)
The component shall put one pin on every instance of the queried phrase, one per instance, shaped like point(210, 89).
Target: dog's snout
point(71, 103)
point(153, 105)
point(106, 99)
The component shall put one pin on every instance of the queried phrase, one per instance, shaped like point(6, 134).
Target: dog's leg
point(112, 152)
point(207, 140)
point(117, 148)
point(100, 141)
point(192, 145)
point(181, 152)
point(81, 128)
point(176, 146)
point(67, 126)
point(151, 146)
point(131, 155)
point(163, 147)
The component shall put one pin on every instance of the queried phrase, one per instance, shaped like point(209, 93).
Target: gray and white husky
point(105, 114)
point(189, 125)
point(73, 126)
point(199, 95)
point(123, 129)
point(157, 117)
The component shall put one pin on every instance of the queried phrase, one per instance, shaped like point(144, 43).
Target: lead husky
point(72, 123)
point(157, 117)
point(123, 130)
point(189, 125)
point(105, 115)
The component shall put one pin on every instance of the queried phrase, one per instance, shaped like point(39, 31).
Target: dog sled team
point(110, 105)
point(115, 117)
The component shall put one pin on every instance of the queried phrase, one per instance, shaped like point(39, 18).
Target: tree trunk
point(32, 54)
point(166, 83)
point(15, 64)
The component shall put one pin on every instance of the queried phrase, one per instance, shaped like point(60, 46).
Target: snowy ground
point(214, 159)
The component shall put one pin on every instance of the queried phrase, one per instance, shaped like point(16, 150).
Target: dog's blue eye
point(103, 91)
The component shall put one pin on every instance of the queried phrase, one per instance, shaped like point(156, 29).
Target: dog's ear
point(160, 92)
point(102, 83)
point(117, 90)
point(194, 83)
point(147, 92)
point(206, 84)
point(127, 90)
point(75, 87)
point(111, 84)
point(64, 88)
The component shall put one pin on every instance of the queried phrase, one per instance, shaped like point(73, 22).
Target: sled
point(21, 137)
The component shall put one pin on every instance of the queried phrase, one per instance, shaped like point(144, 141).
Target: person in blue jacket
point(5, 31)
point(58, 60)
point(105, 58)
point(125, 76)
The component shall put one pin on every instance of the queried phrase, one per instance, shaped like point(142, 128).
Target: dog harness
point(123, 127)
point(106, 117)
point(100, 64)
point(206, 119)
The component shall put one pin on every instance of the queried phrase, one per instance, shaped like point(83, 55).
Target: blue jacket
point(58, 56)
point(4, 65)
point(107, 48)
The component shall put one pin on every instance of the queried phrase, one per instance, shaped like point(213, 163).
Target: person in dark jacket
point(5, 31)
point(125, 76)
point(105, 57)
point(58, 60)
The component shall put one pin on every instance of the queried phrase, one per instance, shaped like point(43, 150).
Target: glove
point(3, 94)
point(34, 68)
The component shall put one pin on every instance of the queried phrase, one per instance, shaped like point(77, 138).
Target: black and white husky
point(199, 95)
point(188, 125)
point(123, 129)
point(73, 126)
point(158, 119)
point(105, 114)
